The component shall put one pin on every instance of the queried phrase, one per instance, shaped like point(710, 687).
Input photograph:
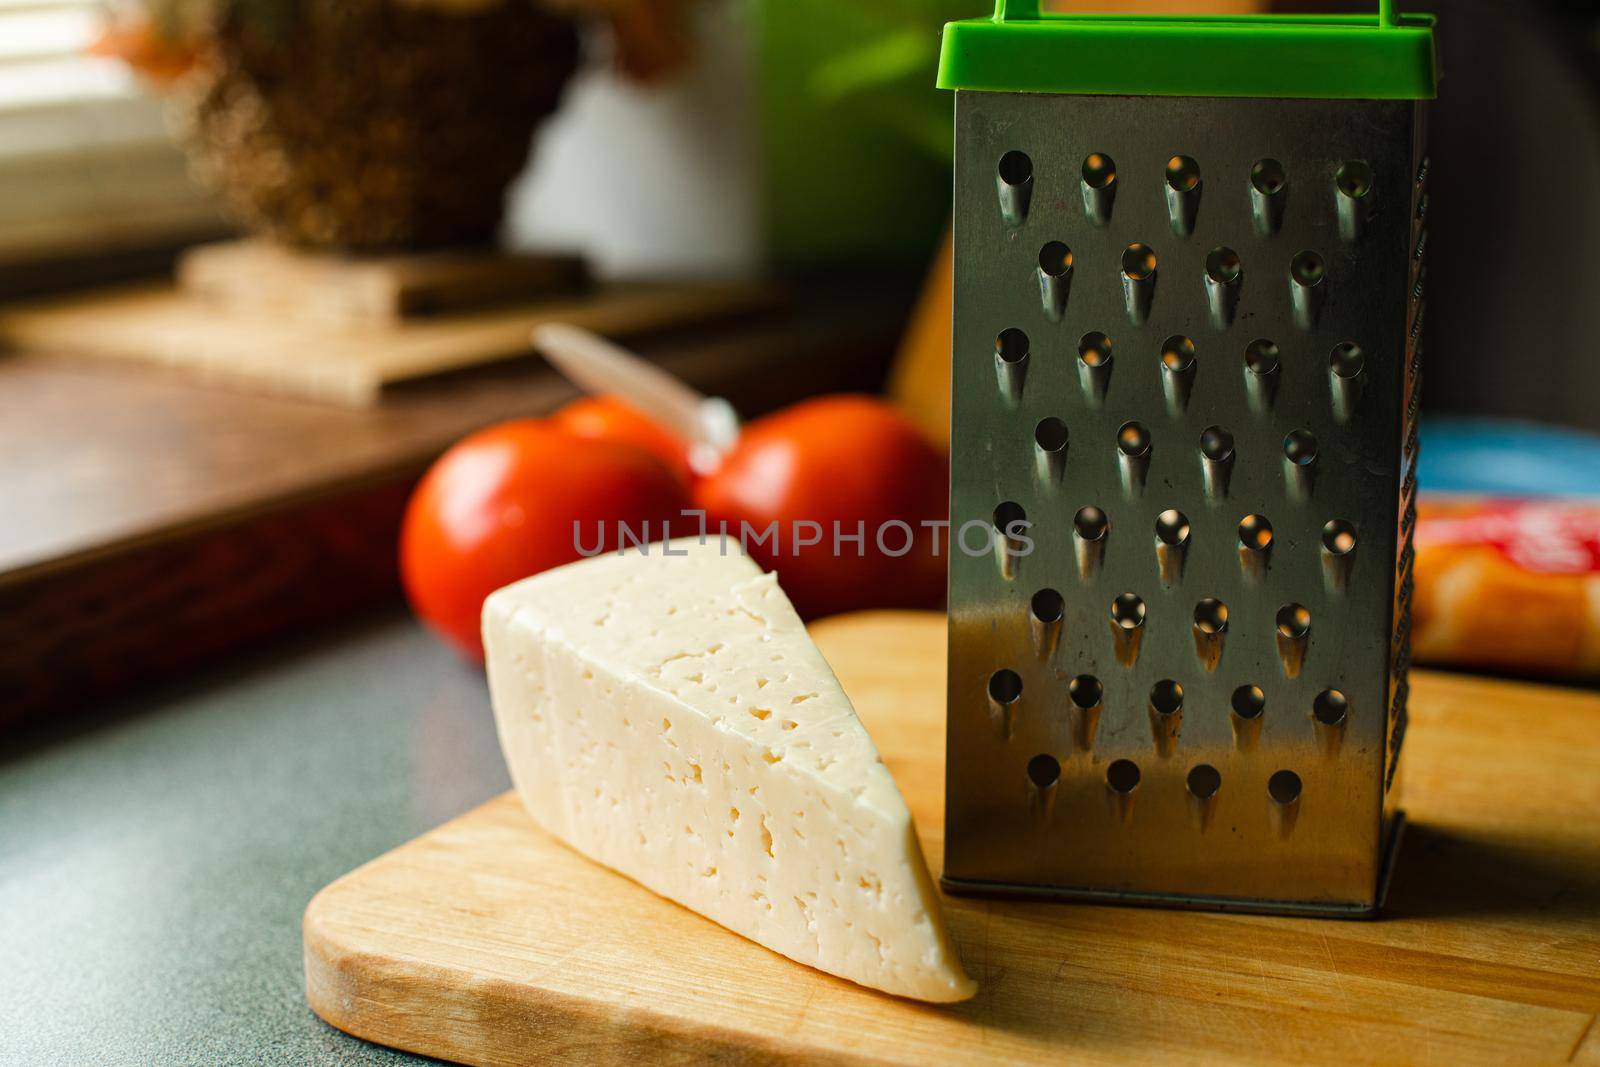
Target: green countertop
point(154, 864)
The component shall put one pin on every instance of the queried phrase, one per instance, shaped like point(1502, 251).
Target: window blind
point(86, 160)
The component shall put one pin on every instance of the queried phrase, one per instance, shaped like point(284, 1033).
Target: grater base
point(962, 887)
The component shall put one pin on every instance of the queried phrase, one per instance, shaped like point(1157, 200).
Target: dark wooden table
point(149, 523)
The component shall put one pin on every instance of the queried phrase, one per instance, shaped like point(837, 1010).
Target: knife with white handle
point(598, 366)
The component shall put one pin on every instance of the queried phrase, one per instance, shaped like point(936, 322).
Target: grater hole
point(1354, 178)
point(1177, 353)
point(1261, 356)
point(1012, 345)
point(1094, 349)
point(1300, 447)
point(1122, 776)
point(1138, 261)
point(1008, 516)
point(1044, 771)
point(1255, 533)
point(1172, 527)
point(1347, 360)
point(1339, 537)
point(1015, 167)
point(1284, 787)
point(1055, 259)
point(1203, 782)
point(1294, 620)
point(1183, 174)
point(1249, 701)
point(1048, 605)
point(1005, 686)
point(1216, 443)
point(1330, 707)
point(1307, 269)
point(1127, 611)
point(1166, 697)
point(1211, 616)
point(1085, 691)
point(1133, 439)
point(1051, 434)
point(1091, 523)
point(1223, 265)
point(1099, 170)
point(1267, 177)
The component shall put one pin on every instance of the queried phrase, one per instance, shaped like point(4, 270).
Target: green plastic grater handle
point(1379, 55)
point(1029, 9)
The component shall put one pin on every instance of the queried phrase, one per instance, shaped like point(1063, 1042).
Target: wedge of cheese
point(668, 716)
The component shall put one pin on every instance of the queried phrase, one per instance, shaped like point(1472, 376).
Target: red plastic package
point(1508, 585)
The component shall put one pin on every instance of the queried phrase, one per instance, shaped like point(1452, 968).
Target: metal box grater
point(1188, 298)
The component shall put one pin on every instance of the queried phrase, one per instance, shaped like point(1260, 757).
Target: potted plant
point(360, 125)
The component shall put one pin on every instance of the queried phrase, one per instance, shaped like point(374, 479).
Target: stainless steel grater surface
point(1185, 355)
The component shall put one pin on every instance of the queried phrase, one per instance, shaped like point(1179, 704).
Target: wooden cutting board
point(487, 942)
point(253, 276)
point(266, 351)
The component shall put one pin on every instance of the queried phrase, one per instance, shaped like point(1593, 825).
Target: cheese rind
point(668, 716)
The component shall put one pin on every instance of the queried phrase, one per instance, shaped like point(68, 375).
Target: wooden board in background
point(486, 941)
point(255, 276)
point(268, 352)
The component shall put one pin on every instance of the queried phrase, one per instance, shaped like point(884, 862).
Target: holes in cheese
point(611, 682)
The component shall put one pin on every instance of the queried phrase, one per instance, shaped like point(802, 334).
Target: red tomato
point(500, 505)
point(610, 418)
point(846, 459)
